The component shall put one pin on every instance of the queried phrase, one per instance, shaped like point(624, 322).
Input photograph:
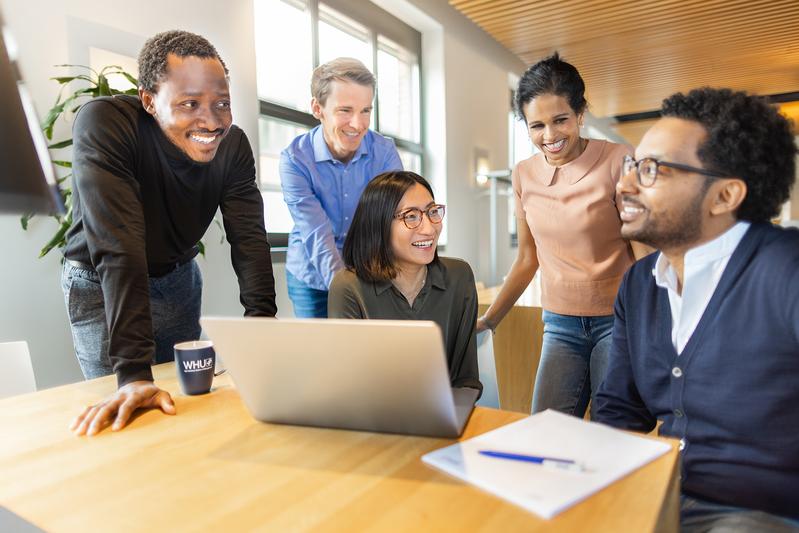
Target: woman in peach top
point(568, 227)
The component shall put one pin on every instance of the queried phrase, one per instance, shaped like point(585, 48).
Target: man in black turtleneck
point(149, 175)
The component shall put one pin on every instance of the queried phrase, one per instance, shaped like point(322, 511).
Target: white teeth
point(423, 244)
point(632, 210)
point(203, 139)
point(555, 146)
point(355, 134)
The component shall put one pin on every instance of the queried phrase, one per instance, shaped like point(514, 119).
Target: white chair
point(16, 371)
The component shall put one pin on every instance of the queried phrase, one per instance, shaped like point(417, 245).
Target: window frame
point(378, 22)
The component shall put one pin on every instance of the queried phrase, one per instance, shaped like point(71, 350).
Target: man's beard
point(677, 230)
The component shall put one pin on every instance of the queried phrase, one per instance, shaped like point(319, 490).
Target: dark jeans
point(700, 516)
point(574, 359)
point(175, 301)
point(307, 301)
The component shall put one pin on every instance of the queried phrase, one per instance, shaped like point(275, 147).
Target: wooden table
point(517, 348)
point(213, 468)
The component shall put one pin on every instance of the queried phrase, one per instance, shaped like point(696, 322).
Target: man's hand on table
point(120, 406)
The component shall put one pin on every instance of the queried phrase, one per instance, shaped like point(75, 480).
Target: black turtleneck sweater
point(140, 206)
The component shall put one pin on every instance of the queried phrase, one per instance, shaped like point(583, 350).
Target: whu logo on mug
point(198, 365)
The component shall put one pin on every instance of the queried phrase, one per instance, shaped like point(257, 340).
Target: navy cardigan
point(732, 396)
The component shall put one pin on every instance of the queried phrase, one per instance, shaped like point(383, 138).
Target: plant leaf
point(97, 86)
point(221, 230)
point(108, 69)
point(62, 144)
point(64, 79)
point(130, 78)
point(85, 67)
point(24, 219)
point(102, 86)
point(58, 239)
point(201, 247)
point(56, 111)
point(50, 119)
point(86, 78)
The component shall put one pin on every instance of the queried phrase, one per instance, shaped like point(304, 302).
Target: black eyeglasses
point(647, 169)
point(412, 218)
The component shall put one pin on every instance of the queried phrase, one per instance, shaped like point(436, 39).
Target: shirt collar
point(575, 170)
point(436, 277)
point(720, 247)
point(322, 153)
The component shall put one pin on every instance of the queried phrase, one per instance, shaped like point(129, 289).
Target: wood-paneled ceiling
point(632, 54)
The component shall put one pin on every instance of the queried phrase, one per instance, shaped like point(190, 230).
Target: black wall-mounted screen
point(27, 179)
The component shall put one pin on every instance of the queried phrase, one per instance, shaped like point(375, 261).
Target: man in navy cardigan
point(706, 333)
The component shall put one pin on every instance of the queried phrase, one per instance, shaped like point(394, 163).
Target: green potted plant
point(74, 92)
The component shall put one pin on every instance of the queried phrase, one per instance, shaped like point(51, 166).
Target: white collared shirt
point(702, 270)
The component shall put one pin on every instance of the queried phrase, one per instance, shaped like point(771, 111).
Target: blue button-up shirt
point(322, 193)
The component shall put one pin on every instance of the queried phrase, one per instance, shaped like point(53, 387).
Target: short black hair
point(367, 248)
point(551, 75)
point(153, 55)
point(746, 138)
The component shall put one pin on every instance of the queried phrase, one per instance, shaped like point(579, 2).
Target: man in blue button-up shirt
point(323, 173)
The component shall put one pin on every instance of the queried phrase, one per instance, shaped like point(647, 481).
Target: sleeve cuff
point(471, 383)
point(134, 373)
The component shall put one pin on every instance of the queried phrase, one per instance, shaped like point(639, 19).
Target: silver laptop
point(373, 375)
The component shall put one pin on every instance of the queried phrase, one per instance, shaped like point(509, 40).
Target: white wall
point(51, 32)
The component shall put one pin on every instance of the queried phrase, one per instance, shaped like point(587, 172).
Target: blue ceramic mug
point(195, 362)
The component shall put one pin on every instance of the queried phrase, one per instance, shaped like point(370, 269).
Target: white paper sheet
point(606, 454)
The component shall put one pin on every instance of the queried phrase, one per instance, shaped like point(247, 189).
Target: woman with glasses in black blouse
point(394, 272)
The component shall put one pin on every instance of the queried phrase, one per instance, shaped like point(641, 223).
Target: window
point(340, 36)
point(294, 36)
point(520, 148)
point(520, 145)
point(274, 135)
point(283, 69)
point(398, 86)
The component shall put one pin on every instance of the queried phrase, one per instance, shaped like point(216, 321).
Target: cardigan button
point(676, 372)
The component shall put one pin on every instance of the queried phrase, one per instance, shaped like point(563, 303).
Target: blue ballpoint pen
point(551, 462)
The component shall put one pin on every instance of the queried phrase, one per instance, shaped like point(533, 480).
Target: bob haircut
point(367, 248)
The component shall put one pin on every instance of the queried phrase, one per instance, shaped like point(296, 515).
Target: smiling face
point(345, 117)
point(672, 213)
point(192, 105)
point(416, 247)
point(554, 128)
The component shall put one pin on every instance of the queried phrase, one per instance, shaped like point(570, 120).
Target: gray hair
point(341, 69)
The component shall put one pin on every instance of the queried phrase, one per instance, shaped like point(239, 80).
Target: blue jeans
point(175, 301)
point(699, 516)
point(307, 301)
point(574, 358)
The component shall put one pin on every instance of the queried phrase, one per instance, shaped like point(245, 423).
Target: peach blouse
point(572, 214)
